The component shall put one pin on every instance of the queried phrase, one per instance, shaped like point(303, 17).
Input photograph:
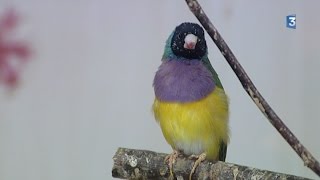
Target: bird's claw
point(171, 159)
point(199, 158)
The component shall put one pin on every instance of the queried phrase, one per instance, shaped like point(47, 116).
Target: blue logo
point(291, 21)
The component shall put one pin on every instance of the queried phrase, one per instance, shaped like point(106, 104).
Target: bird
point(190, 103)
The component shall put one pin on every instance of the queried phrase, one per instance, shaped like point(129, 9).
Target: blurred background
point(87, 88)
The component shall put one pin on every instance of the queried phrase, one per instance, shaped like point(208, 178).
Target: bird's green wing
point(223, 145)
point(208, 65)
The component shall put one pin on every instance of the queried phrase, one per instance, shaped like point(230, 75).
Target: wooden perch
point(143, 164)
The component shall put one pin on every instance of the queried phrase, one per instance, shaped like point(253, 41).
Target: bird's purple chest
point(182, 81)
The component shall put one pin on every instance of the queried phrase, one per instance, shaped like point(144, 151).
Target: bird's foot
point(171, 159)
point(199, 158)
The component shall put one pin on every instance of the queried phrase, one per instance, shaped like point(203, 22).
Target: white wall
point(88, 89)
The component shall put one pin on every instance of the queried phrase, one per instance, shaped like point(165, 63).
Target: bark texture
point(143, 164)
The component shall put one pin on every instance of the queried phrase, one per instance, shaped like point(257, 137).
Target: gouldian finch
point(190, 103)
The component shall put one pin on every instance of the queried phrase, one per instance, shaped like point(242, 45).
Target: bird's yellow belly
point(195, 127)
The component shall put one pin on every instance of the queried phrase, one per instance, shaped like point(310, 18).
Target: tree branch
point(247, 84)
point(142, 164)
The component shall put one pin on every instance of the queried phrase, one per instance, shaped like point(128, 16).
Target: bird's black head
point(188, 41)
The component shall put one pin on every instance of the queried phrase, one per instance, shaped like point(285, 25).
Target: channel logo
point(291, 21)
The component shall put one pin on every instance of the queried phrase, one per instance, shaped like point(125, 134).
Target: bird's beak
point(190, 41)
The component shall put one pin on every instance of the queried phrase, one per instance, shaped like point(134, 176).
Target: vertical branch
point(252, 91)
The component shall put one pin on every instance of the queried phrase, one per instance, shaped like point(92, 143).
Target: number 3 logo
point(291, 21)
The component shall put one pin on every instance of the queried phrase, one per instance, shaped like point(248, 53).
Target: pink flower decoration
point(13, 54)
